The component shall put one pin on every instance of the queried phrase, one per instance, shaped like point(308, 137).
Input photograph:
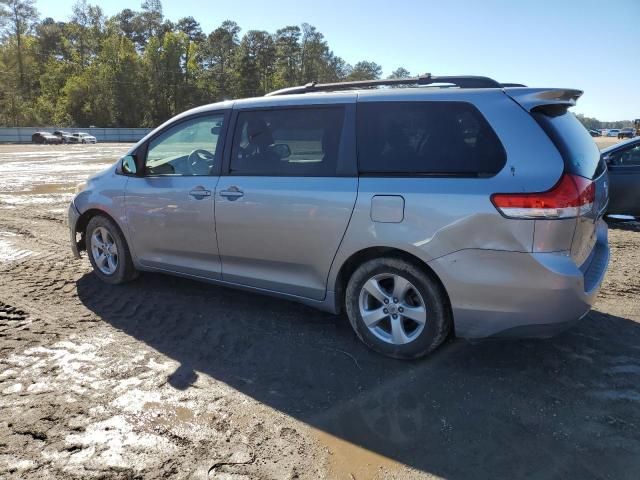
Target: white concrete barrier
point(23, 134)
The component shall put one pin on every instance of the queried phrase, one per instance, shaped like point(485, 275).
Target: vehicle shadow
point(566, 407)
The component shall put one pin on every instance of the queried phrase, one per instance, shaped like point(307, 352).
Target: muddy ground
point(169, 378)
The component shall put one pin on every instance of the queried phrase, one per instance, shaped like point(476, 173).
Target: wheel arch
point(358, 258)
point(83, 221)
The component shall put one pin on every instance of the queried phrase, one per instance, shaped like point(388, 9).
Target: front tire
point(397, 309)
point(108, 251)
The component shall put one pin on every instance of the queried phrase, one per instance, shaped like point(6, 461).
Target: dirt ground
point(604, 142)
point(169, 378)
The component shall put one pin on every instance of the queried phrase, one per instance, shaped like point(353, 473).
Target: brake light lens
point(572, 196)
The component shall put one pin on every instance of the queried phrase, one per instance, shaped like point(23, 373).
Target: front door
point(170, 208)
point(283, 208)
point(624, 176)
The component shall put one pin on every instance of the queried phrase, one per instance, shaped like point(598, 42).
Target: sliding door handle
point(232, 193)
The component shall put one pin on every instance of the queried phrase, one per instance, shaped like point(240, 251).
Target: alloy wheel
point(104, 251)
point(392, 308)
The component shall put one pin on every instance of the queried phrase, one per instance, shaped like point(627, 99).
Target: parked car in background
point(627, 133)
point(45, 138)
point(595, 133)
point(396, 205)
point(81, 137)
point(613, 132)
point(623, 162)
point(64, 136)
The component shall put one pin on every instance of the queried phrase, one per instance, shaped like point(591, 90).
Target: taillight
point(571, 197)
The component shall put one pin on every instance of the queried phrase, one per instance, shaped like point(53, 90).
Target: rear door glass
point(426, 138)
point(287, 142)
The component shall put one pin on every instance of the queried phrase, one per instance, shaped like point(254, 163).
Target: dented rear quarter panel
point(446, 215)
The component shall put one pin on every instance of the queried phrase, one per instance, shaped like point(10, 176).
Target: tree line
point(594, 124)
point(138, 68)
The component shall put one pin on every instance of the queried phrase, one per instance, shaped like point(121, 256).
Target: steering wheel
point(199, 161)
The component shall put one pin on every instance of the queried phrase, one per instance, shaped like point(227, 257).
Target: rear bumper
point(72, 219)
point(501, 293)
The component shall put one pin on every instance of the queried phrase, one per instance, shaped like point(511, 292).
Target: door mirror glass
point(217, 128)
point(281, 150)
point(129, 165)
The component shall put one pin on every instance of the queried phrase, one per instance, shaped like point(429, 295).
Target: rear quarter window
point(579, 152)
point(426, 138)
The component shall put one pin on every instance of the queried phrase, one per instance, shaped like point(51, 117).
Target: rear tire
point(406, 309)
point(108, 251)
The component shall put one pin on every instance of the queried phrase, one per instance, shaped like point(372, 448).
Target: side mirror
point(282, 150)
point(216, 129)
point(128, 163)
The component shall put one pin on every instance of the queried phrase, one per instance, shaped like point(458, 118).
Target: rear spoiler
point(531, 98)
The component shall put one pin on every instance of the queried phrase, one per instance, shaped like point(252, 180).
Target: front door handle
point(200, 193)
point(233, 193)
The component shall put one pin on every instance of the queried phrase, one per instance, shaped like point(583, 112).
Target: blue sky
point(590, 45)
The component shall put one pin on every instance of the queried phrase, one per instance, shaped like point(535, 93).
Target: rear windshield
point(579, 151)
point(426, 138)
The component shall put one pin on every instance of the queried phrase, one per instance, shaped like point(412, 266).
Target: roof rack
point(466, 81)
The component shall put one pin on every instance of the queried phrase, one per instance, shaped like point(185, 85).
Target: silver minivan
point(443, 205)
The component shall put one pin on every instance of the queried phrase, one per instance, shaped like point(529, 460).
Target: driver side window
point(189, 148)
point(629, 157)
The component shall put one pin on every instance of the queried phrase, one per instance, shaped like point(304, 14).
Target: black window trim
point(142, 150)
point(346, 162)
point(478, 175)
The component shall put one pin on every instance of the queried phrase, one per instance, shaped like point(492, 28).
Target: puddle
point(28, 170)
point(11, 201)
point(50, 188)
point(152, 412)
point(350, 461)
point(9, 251)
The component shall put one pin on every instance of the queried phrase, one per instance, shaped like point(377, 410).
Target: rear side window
point(579, 152)
point(426, 138)
point(287, 142)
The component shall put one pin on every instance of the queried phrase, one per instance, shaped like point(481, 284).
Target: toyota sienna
point(443, 205)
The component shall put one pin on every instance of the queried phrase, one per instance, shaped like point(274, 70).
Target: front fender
point(104, 192)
